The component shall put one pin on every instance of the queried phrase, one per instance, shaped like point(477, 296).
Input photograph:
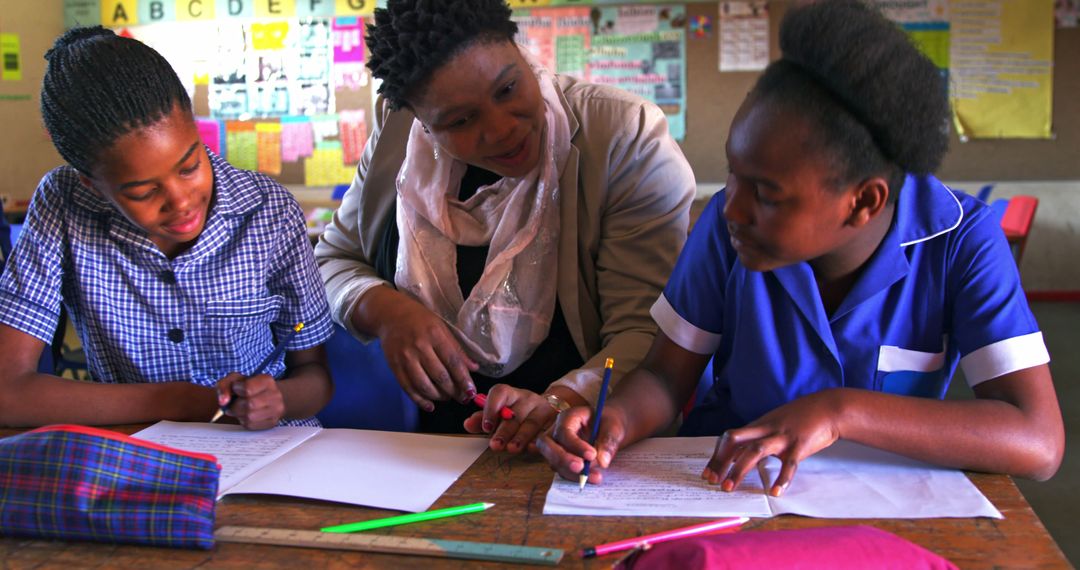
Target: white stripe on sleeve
point(682, 332)
point(1003, 357)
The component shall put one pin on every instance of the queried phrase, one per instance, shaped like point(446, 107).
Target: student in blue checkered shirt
point(178, 270)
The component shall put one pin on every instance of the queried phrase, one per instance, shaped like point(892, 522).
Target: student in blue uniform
point(836, 284)
point(178, 270)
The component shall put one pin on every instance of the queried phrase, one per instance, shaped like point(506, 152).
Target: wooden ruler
point(391, 544)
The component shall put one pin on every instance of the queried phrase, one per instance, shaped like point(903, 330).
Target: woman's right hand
point(422, 352)
point(566, 447)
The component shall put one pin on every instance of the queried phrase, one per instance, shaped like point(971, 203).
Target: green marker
point(412, 518)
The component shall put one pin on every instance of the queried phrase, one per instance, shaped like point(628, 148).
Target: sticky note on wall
point(10, 57)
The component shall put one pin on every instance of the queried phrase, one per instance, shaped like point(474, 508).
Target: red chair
point(1016, 223)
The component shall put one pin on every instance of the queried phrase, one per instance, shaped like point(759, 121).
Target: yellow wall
point(26, 152)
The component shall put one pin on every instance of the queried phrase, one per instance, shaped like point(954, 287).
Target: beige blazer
point(625, 198)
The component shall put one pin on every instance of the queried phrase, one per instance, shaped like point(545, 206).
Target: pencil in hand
point(608, 365)
point(266, 362)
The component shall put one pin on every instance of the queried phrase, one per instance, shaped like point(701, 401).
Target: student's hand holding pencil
point(566, 447)
point(255, 401)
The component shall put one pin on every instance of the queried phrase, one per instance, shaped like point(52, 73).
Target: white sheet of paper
point(661, 477)
point(848, 480)
point(239, 452)
point(389, 470)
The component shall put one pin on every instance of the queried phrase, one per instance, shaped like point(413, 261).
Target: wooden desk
point(518, 485)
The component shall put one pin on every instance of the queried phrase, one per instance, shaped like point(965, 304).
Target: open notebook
point(661, 477)
point(388, 470)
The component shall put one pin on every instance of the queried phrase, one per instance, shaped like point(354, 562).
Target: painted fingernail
point(498, 441)
point(471, 391)
point(429, 407)
point(728, 485)
point(706, 474)
point(488, 426)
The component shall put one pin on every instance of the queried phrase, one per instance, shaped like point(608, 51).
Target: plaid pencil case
point(80, 483)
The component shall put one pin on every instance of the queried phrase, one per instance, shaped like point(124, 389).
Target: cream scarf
point(508, 313)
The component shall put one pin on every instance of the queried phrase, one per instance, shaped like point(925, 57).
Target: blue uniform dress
point(214, 309)
point(941, 289)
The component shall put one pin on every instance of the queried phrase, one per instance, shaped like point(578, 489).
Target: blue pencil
point(266, 362)
point(608, 365)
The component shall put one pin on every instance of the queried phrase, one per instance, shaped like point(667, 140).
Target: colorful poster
point(156, 11)
point(650, 64)
point(557, 37)
point(1001, 67)
point(117, 13)
point(10, 57)
point(744, 35)
point(297, 138)
point(241, 144)
point(210, 133)
point(326, 166)
point(269, 36)
point(268, 143)
point(348, 37)
point(353, 135)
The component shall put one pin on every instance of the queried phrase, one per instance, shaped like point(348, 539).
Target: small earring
point(435, 149)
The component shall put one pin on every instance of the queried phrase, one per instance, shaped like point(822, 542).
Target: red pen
point(718, 525)
point(505, 413)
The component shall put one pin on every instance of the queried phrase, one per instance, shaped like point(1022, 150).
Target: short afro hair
point(98, 87)
point(410, 39)
point(878, 103)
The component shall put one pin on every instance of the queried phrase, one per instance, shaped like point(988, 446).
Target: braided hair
point(99, 87)
point(410, 39)
point(877, 103)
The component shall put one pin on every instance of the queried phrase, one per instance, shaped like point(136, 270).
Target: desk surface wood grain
point(518, 485)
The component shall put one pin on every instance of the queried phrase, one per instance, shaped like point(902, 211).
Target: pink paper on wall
point(210, 133)
point(353, 134)
point(348, 33)
point(297, 138)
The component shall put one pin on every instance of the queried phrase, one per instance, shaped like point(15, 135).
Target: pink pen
point(505, 413)
point(705, 528)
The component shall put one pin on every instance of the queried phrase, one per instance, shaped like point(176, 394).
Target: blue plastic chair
point(366, 394)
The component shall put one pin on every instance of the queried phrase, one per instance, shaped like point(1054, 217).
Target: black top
point(553, 358)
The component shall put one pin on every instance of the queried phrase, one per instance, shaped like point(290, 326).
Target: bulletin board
point(682, 70)
point(711, 99)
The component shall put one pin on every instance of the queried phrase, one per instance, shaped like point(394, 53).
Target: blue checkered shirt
point(141, 317)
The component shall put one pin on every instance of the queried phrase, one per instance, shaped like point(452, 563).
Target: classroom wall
point(1047, 169)
point(25, 150)
point(713, 98)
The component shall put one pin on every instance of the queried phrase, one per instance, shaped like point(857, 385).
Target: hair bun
point(76, 35)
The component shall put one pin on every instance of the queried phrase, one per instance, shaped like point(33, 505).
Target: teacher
point(507, 229)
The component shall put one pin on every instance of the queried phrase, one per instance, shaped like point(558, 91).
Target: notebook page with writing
point(239, 452)
point(661, 477)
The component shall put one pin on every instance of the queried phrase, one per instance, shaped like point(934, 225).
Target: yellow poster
point(268, 143)
point(10, 57)
point(116, 13)
point(354, 7)
point(269, 36)
point(1001, 67)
